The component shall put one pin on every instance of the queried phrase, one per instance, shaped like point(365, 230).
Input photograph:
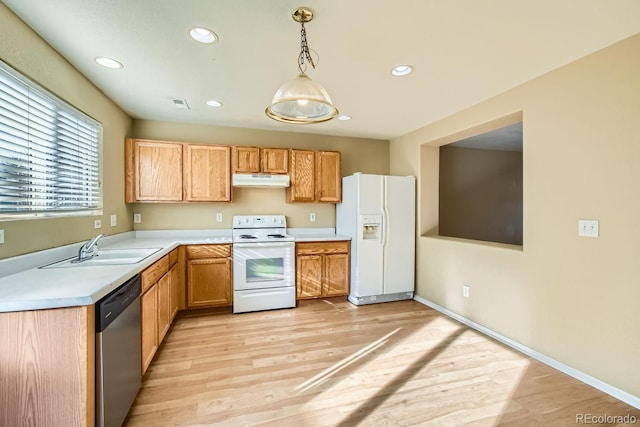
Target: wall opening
point(480, 187)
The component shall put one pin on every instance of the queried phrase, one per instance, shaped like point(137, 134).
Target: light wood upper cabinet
point(260, 160)
point(302, 174)
point(161, 171)
point(207, 173)
point(153, 171)
point(245, 159)
point(328, 177)
point(275, 160)
point(315, 176)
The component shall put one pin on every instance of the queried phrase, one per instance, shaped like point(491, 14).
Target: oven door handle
point(264, 245)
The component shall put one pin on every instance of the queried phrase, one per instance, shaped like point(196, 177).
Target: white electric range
point(263, 263)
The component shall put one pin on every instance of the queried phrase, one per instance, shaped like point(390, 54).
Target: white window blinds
point(49, 153)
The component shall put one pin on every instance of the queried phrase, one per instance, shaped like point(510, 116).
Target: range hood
point(262, 180)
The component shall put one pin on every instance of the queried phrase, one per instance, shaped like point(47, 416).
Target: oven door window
point(264, 270)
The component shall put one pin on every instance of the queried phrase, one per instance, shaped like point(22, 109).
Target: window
point(49, 153)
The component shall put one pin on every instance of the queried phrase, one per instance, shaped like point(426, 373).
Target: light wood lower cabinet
point(149, 326)
point(209, 276)
point(322, 269)
point(158, 304)
point(174, 302)
point(47, 367)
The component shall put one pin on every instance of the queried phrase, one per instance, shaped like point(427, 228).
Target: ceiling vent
point(180, 103)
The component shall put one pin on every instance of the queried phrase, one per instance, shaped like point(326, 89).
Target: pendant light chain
point(304, 51)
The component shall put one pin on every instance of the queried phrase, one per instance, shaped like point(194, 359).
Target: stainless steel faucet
point(86, 250)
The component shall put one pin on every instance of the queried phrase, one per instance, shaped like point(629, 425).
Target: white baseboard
point(579, 375)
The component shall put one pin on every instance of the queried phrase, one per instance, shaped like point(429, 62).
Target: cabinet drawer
point(155, 272)
point(173, 257)
point(208, 251)
point(313, 248)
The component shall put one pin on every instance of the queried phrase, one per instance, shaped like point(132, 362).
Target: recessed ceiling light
point(213, 103)
point(108, 62)
point(203, 35)
point(401, 70)
point(344, 117)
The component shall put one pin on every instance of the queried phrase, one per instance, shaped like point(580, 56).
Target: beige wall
point(480, 194)
point(25, 51)
point(572, 298)
point(358, 155)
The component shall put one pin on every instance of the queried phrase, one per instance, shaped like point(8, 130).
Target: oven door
point(263, 265)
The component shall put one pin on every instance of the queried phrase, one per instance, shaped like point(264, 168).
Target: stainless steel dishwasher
point(118, 353)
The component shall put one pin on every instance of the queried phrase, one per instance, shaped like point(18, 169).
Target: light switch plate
point(312, 216)
point(588, 227)
point(137, 218)
point(114, 220)
point(1, 237)
point(97, 223)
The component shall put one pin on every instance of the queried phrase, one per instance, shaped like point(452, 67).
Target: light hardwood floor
point(329, 363)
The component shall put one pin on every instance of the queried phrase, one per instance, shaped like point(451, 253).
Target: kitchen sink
point(107, 257)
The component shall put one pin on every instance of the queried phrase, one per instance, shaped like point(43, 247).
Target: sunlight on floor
point(376, 382)
point(327, 373)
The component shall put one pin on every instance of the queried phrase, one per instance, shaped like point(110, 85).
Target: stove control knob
point(238, 221)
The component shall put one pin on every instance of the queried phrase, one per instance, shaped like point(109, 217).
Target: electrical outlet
point(588, 227)
point(465, 291)
point(137, 218)
point(97, 223)
point(312, 216)
point(1, 237)
point(114, 220)
point(219, 217)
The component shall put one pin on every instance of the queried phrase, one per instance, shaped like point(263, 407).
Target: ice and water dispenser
point(371, 227)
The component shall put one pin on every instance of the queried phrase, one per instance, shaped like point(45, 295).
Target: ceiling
point(508, 138)
point(463, 51)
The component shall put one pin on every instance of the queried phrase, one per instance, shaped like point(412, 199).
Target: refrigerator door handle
point(385, 231)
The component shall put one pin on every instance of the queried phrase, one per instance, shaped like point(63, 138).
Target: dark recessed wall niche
point(481, 187)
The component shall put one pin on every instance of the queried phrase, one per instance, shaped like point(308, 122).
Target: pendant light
point(302, 100)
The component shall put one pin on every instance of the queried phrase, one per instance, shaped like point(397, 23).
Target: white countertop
point(24, 286)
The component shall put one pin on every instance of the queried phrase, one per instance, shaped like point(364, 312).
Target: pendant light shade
point(302, 101)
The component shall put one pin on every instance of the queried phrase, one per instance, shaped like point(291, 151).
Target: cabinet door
point(302, 174)
point(157, 171)
point(207, 173)
point(275, 160)
point(245, 160)
point(209, 282)
point(174, 285)
point(336, 275)
point(164, 306)
point(329, 177)
point(149, 326)
point(308, 276)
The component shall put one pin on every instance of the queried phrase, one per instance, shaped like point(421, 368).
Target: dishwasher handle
point(109, 307)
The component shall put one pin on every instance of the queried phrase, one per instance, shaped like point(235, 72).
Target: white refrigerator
point(378, 213)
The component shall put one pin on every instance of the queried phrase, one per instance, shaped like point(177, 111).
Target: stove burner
point(247, 236)
point(276, 236)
